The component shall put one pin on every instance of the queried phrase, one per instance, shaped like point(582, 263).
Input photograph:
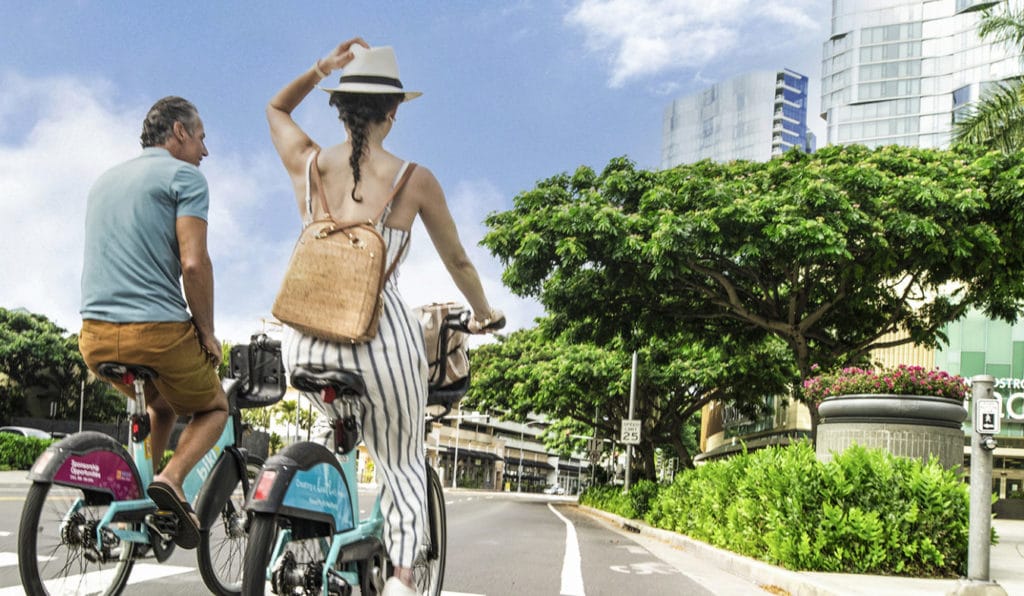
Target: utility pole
point(632, 406)
point(81, 407)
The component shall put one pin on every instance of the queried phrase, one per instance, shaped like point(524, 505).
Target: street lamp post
point(455, 464)
point(458, 422)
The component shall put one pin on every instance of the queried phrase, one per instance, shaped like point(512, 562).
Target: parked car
point(555, 489)
point(26, 431)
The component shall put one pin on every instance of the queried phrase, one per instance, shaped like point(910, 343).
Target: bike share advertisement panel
point(89, 460)
point(318, 489)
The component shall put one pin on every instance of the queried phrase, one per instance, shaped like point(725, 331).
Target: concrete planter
point(916, 426)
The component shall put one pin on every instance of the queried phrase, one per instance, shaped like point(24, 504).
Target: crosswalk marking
point(8, 559)
point(141, 572)
point(94, 582)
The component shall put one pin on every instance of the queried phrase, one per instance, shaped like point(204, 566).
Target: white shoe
point(395, 587)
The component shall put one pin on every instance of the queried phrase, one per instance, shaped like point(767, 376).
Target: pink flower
point(901, 380)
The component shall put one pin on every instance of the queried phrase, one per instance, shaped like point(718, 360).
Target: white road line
point(94, 582)
point(572, 565)
point(8, 559)
point(4, 534)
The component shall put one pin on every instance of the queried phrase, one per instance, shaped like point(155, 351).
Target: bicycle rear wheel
point(221, 553)
point(429, 566)
point(58, 548)
point(298, 568)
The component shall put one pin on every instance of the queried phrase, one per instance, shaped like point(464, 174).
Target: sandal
point(166, 499)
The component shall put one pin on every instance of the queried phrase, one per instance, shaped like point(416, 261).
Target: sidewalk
point(1006, 566)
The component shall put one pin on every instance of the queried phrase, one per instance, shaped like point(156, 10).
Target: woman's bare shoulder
point(423, 181)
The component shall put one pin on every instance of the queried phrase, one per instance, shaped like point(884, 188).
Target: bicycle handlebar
point(460, 322)
point(264, 342)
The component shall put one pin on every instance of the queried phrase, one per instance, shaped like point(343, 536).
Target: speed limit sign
point(630, 432)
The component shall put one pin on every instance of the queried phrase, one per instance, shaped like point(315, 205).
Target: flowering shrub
point(902, 380)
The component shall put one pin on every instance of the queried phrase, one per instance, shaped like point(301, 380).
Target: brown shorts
point(185, 376)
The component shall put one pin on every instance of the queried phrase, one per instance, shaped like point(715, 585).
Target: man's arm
point(197, 279)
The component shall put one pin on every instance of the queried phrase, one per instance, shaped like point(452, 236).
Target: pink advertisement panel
point(101, 470)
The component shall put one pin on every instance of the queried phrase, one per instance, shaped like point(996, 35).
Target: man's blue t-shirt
point(132, 268)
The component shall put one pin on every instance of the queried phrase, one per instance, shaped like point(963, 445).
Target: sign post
point(986, 423)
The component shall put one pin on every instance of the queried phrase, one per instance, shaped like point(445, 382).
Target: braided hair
point(358, 111)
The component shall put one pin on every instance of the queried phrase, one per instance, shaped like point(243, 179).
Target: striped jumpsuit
point(394, 368)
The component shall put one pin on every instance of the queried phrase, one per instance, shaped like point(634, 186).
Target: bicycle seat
point(125, 373)
point(344, 383)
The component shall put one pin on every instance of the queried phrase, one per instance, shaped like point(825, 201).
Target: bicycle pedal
point(336, 584)
point(164, 523)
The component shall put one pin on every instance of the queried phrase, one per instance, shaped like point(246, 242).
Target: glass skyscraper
point(752, 116)
point(902, 71)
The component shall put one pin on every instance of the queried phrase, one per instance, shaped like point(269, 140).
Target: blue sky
point(514, 92)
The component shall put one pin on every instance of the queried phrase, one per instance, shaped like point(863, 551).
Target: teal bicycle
point(306, 536)
point(87, 519)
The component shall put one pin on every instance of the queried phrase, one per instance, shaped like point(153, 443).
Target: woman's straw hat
point(372, 70)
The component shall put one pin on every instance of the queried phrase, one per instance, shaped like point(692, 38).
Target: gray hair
point(159, 122)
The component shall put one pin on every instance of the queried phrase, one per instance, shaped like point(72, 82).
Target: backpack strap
point(404, 174)
point(314, 173)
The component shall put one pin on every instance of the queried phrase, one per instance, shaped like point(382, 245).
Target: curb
point(752, 570)
point(795, 583)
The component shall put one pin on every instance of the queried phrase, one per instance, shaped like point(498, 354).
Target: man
point(145, 241)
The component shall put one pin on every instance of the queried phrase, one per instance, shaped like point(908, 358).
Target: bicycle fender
point(89, 460)
point(305, 481)
point(230, 467)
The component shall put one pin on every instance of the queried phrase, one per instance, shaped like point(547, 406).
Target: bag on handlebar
point(335, 280)
point(451, 359)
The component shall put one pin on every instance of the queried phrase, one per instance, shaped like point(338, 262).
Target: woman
point(357, 178)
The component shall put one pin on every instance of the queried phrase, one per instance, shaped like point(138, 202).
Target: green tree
point(585, 387)
point(40, 364)
point(997, 121)
point(287, 411)
point(830, 253)
point(257, 417)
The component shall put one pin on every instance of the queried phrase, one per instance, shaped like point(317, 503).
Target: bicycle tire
point(299, 557)
point(222, 547)
point(428, 570)
point(43, 533)
point(262, 535)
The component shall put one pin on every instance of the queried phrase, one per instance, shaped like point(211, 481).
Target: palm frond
point(997, 121)
point(1006, 25)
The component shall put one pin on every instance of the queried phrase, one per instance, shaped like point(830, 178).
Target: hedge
point(866, 511)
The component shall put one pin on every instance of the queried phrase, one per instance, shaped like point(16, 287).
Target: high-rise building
point(902, 71)
point(752, 116)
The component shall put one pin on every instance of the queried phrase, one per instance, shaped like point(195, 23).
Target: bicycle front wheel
point(59, 551)
point(429, 565)
point(221, 552)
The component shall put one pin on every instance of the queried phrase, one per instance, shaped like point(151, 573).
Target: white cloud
point(57, 135)
point(44, 175)
point(647, 37)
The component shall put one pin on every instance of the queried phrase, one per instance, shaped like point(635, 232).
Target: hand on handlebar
point(493, 322)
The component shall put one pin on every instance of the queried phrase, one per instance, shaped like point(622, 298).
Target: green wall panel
point(1000, 342)
point(972, 363)
point(998, 370)
point(1018, 360)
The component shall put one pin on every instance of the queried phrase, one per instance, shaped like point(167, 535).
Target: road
point(498, 544)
